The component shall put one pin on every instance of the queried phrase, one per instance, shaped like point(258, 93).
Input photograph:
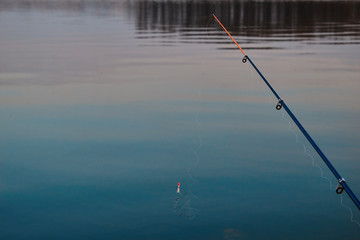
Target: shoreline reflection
point(299, 20)
point(289, 19)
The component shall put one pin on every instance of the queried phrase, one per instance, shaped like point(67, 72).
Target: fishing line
point(297, 138)
point(342, 184)
point(182, 202)
point(290, 128)
point(305, 150)
point(350, 210)
point(194, 211)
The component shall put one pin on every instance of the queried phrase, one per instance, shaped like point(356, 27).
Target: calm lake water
point(106, 105)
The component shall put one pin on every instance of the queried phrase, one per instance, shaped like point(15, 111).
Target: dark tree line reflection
point(251, 18)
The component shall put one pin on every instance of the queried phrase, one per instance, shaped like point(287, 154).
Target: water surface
point(107, 105)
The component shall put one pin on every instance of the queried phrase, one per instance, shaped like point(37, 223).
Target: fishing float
point(281, 104)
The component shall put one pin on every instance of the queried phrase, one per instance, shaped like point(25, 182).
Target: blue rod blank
point(341, 181)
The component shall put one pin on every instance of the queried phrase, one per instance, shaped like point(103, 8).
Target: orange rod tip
point(229, 34)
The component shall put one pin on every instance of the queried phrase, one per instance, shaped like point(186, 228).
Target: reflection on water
point(106, 105)
point(297, 20)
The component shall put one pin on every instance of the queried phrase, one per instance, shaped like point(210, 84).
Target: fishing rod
point(281, 104)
